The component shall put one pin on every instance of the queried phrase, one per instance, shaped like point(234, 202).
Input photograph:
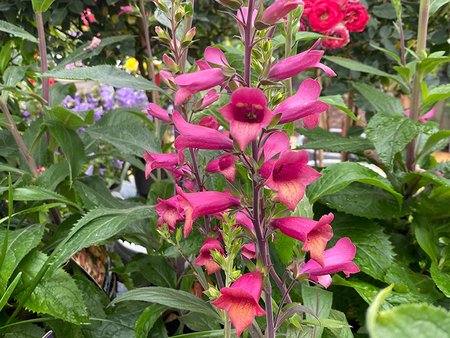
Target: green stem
point(227, 328)
point(424, 11)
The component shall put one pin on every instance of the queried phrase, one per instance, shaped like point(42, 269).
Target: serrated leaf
point(109, 75)
point(381, 102)
point(319, 138)
point(172, 298)
point(94, 193)
point(20, 243)
point(56, 294)
point(147, 319)
point(374, 251)
point(390, 135)
point(35, 193)
point(16, 31)
point(93, 228)
point(365, 201)
point(83, 52)
point(71, 145)
point(52, 176)
point(340, 175)
point(319, 301)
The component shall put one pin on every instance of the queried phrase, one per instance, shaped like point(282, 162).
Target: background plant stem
point(43, 55)
point(418, 77)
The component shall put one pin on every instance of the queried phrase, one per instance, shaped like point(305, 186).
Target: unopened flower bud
point(162, 34)
point(170, 63)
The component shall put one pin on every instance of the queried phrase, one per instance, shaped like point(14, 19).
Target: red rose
point(339, 32)
point(324, 15)
point(307, 6)
point(356, 18)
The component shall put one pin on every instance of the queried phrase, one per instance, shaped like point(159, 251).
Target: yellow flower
point(131, 64)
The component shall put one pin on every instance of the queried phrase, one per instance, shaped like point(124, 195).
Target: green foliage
point(381, 102)
point(147, 319)
point(319, 301)
point(16, 31)
point(41, 6)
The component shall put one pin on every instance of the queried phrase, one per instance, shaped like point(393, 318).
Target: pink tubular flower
point(167, 77)
point(240, 300)
point(153, 161)
point(424, 118)
point(156, 111)
point(276, 143)
point(338, 258)
point(243, 220)
point(278, 10)
point(340, 32)
point(216, 57)
point(324, 15)
point(195, 136)
point(293, 65)
point(247, 113)
point(203, 203)
point(356, 18)
point(169, 212)
point(205, 258)
point(210, 97)
point(242, 15)
point(302, 104)
point(196, 82)
point(126, 10)
point(209, 122)
point(249, 251)
point(289, 176)
point(225, 165)
point(314, 234)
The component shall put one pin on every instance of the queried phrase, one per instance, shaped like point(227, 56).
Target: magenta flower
point(424, 118)
point(314, 234)
point(209, 98)
point(304, 103)
point(276, 143)
point(158, 112)
point(278, 10)
point(209, 122)
point(205, 258)
point(242, 15)
point(192, 83)
point(247, 113)
point(197, 204)
point(249, 251)
point(216, 57)
point(195, 136)
point(243, 220)
point(293, 65)
point(169, 212)
point(338, 258)
point(225, 165)
point(240, 300)
point(289, 176)
point(153, 161)
point(126, 10)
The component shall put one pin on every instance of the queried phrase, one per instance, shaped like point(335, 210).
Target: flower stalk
point(43, 55)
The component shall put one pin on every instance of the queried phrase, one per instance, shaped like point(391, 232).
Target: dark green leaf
point(199, 323)
point(41, 6)
point(52, 176)
point(390, 135)
point(319, 301)
point(26, 330)
point(35, 193)
point(284, 245)
point(94, 193)
point(436, 5)
point(434, 95)
point(16, 31)
point(20, 243)
point(340, 175)
point(380, 101)
point(147, 319)
point(56, 294)
point(344, 332)
point(11, 287)
point(338, 102)
point(176, 299)
point(356, 66)
point(110, 75)
point(155, 269)
point(441, 279)
point(435, 142)
point(70, 118)
point(385, 11)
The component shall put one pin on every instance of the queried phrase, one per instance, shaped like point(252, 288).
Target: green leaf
point(125, 131)
point(199, 323)
point(52, 176)
point(441, 279)
point(435, 142)
point(385, 11)
point(430, 63)
point(356, 66)
point(93, 192)
point(424, 231)
point(387, 52)
point(204, 334)
point(83, 52)
point(93, 228)
point(319, 301)
point(41, 6)
point(344, 332)
point(436, 5)
point(147, 319)
point(364, 200)
point(410, 320)
point(381, 102)
point(16, 31)
point(34, 193)
point(155, 270)
point(26, 330)
point(284, 245)
point(70, 118)
point(434, 95)
point(56, 294)
point(319, 138)
point(338, 102)
point(390, 135)
point(20, 243)
point(71, 145)
point(109, 75)
point(374, 251)
point(11, 287)
point(339, 175)
point(172, 298)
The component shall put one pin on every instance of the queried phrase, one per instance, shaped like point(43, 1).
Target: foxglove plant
point(254, 151)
